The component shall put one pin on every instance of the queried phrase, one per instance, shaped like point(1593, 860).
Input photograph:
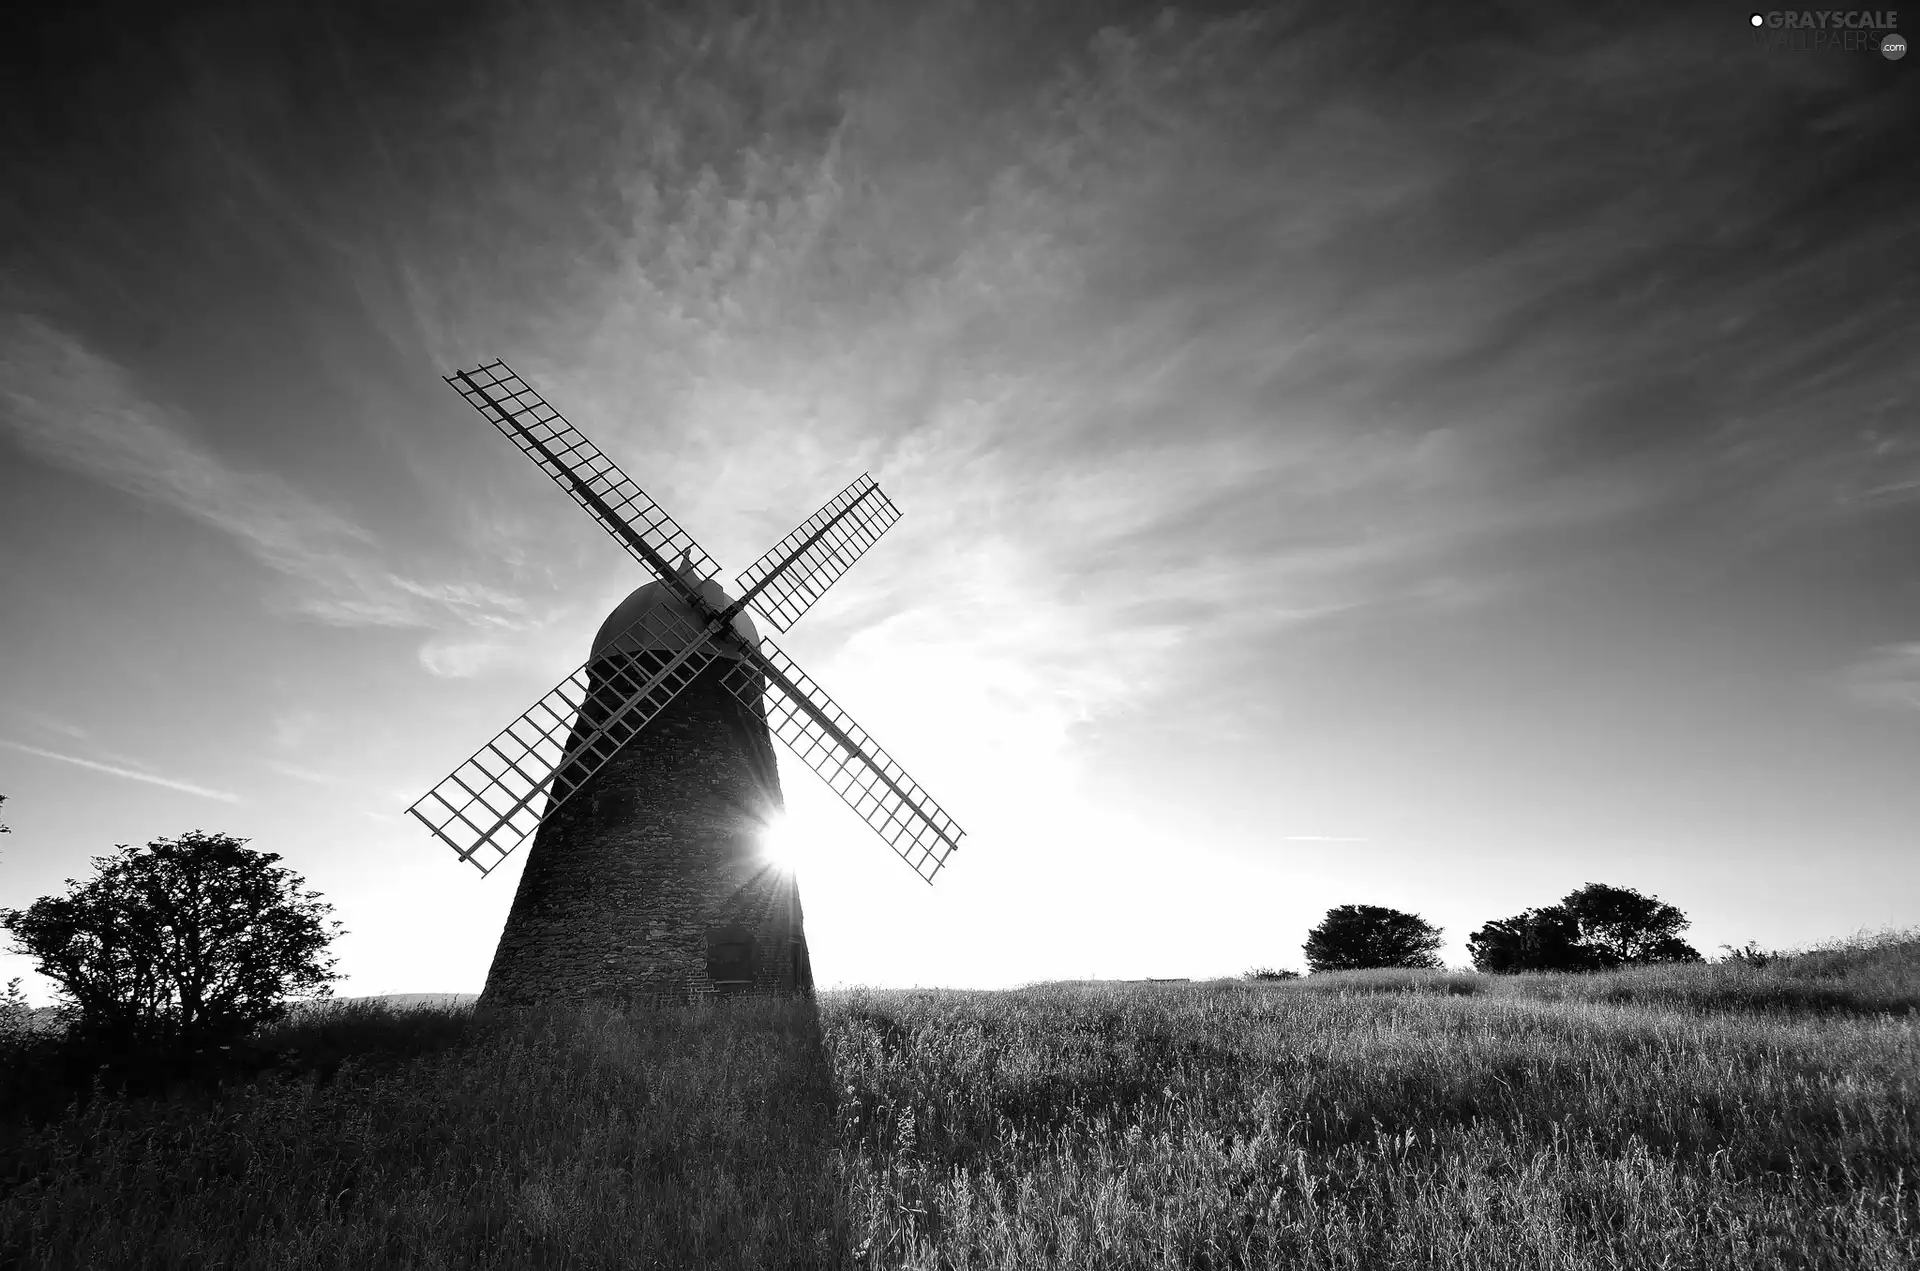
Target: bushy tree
point(1593, 928)
point(4, 829)
point(1627, 928)
point(183, 943)
point(1546, 939)
point(1361, 937)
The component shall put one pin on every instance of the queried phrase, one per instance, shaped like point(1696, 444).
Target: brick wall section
point(625, 884)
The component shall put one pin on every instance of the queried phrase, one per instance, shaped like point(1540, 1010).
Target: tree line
point(192, 943)
point(1593, 928)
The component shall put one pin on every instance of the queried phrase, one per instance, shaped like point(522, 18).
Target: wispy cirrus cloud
point(1887, 676)
point(292, 729)
point(130, 774)
point(547, 645)
point(308, 775)
point(75, 408)
point(47, 723)
point(1180, 348)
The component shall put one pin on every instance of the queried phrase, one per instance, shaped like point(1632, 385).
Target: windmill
point(643, 777)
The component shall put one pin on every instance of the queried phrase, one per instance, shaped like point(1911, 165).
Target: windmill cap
point(654, 595)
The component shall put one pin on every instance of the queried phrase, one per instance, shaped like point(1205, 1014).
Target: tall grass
point(1234, 1126)
point(1701, 1117)
point(690, 1138)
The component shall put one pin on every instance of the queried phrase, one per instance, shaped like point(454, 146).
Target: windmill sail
point(784, 583)
point(495, 801)
point(826, 739)
point(593, 480)
point(491, 804)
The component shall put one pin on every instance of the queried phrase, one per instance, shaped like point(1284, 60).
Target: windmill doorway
point(730, 958)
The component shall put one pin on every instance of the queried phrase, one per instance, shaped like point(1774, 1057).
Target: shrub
point(1362, 937)
point(1750, 954)
point(1546, 939)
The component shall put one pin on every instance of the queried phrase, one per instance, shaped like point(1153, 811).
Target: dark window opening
point(730, 958)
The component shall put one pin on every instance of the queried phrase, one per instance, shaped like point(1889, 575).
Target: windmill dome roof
point(655, 595)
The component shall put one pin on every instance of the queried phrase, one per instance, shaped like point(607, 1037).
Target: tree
point(183, 943)
point(4, 829)
point(16, 1017)
point(1546, 939)
point(1358, 937)
point(1594, 928)
point(1628, 928)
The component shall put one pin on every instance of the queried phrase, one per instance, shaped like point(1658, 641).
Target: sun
point(781, 842)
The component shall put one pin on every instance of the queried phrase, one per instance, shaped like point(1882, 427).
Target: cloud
point(297, 773)
point(82, 411)
point(546, 648)
point(1196, 350)
point(453, 658)
point(292, 729)
point(48, 723)
point(1888, 676)
point(1073, 345)
point(186, 787)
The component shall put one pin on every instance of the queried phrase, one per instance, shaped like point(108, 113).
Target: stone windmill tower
point(644, 778)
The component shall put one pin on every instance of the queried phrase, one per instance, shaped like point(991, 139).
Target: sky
point(1424, 456)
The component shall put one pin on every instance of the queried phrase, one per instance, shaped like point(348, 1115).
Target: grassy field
point(1709, 1116)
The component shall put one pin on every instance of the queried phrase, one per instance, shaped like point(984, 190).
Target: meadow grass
point(1732, 1116)
point(674, 1139)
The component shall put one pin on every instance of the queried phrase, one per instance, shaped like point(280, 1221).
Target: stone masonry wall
point(626, 882)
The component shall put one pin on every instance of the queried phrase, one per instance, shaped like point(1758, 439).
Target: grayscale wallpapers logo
point(1846, 30)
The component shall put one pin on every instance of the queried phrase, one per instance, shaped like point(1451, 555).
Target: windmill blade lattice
point(491, 804)
point(826, 739)
point(784, 583)
point(594, 481)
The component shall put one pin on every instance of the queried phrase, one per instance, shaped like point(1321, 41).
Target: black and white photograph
point(958, 635)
